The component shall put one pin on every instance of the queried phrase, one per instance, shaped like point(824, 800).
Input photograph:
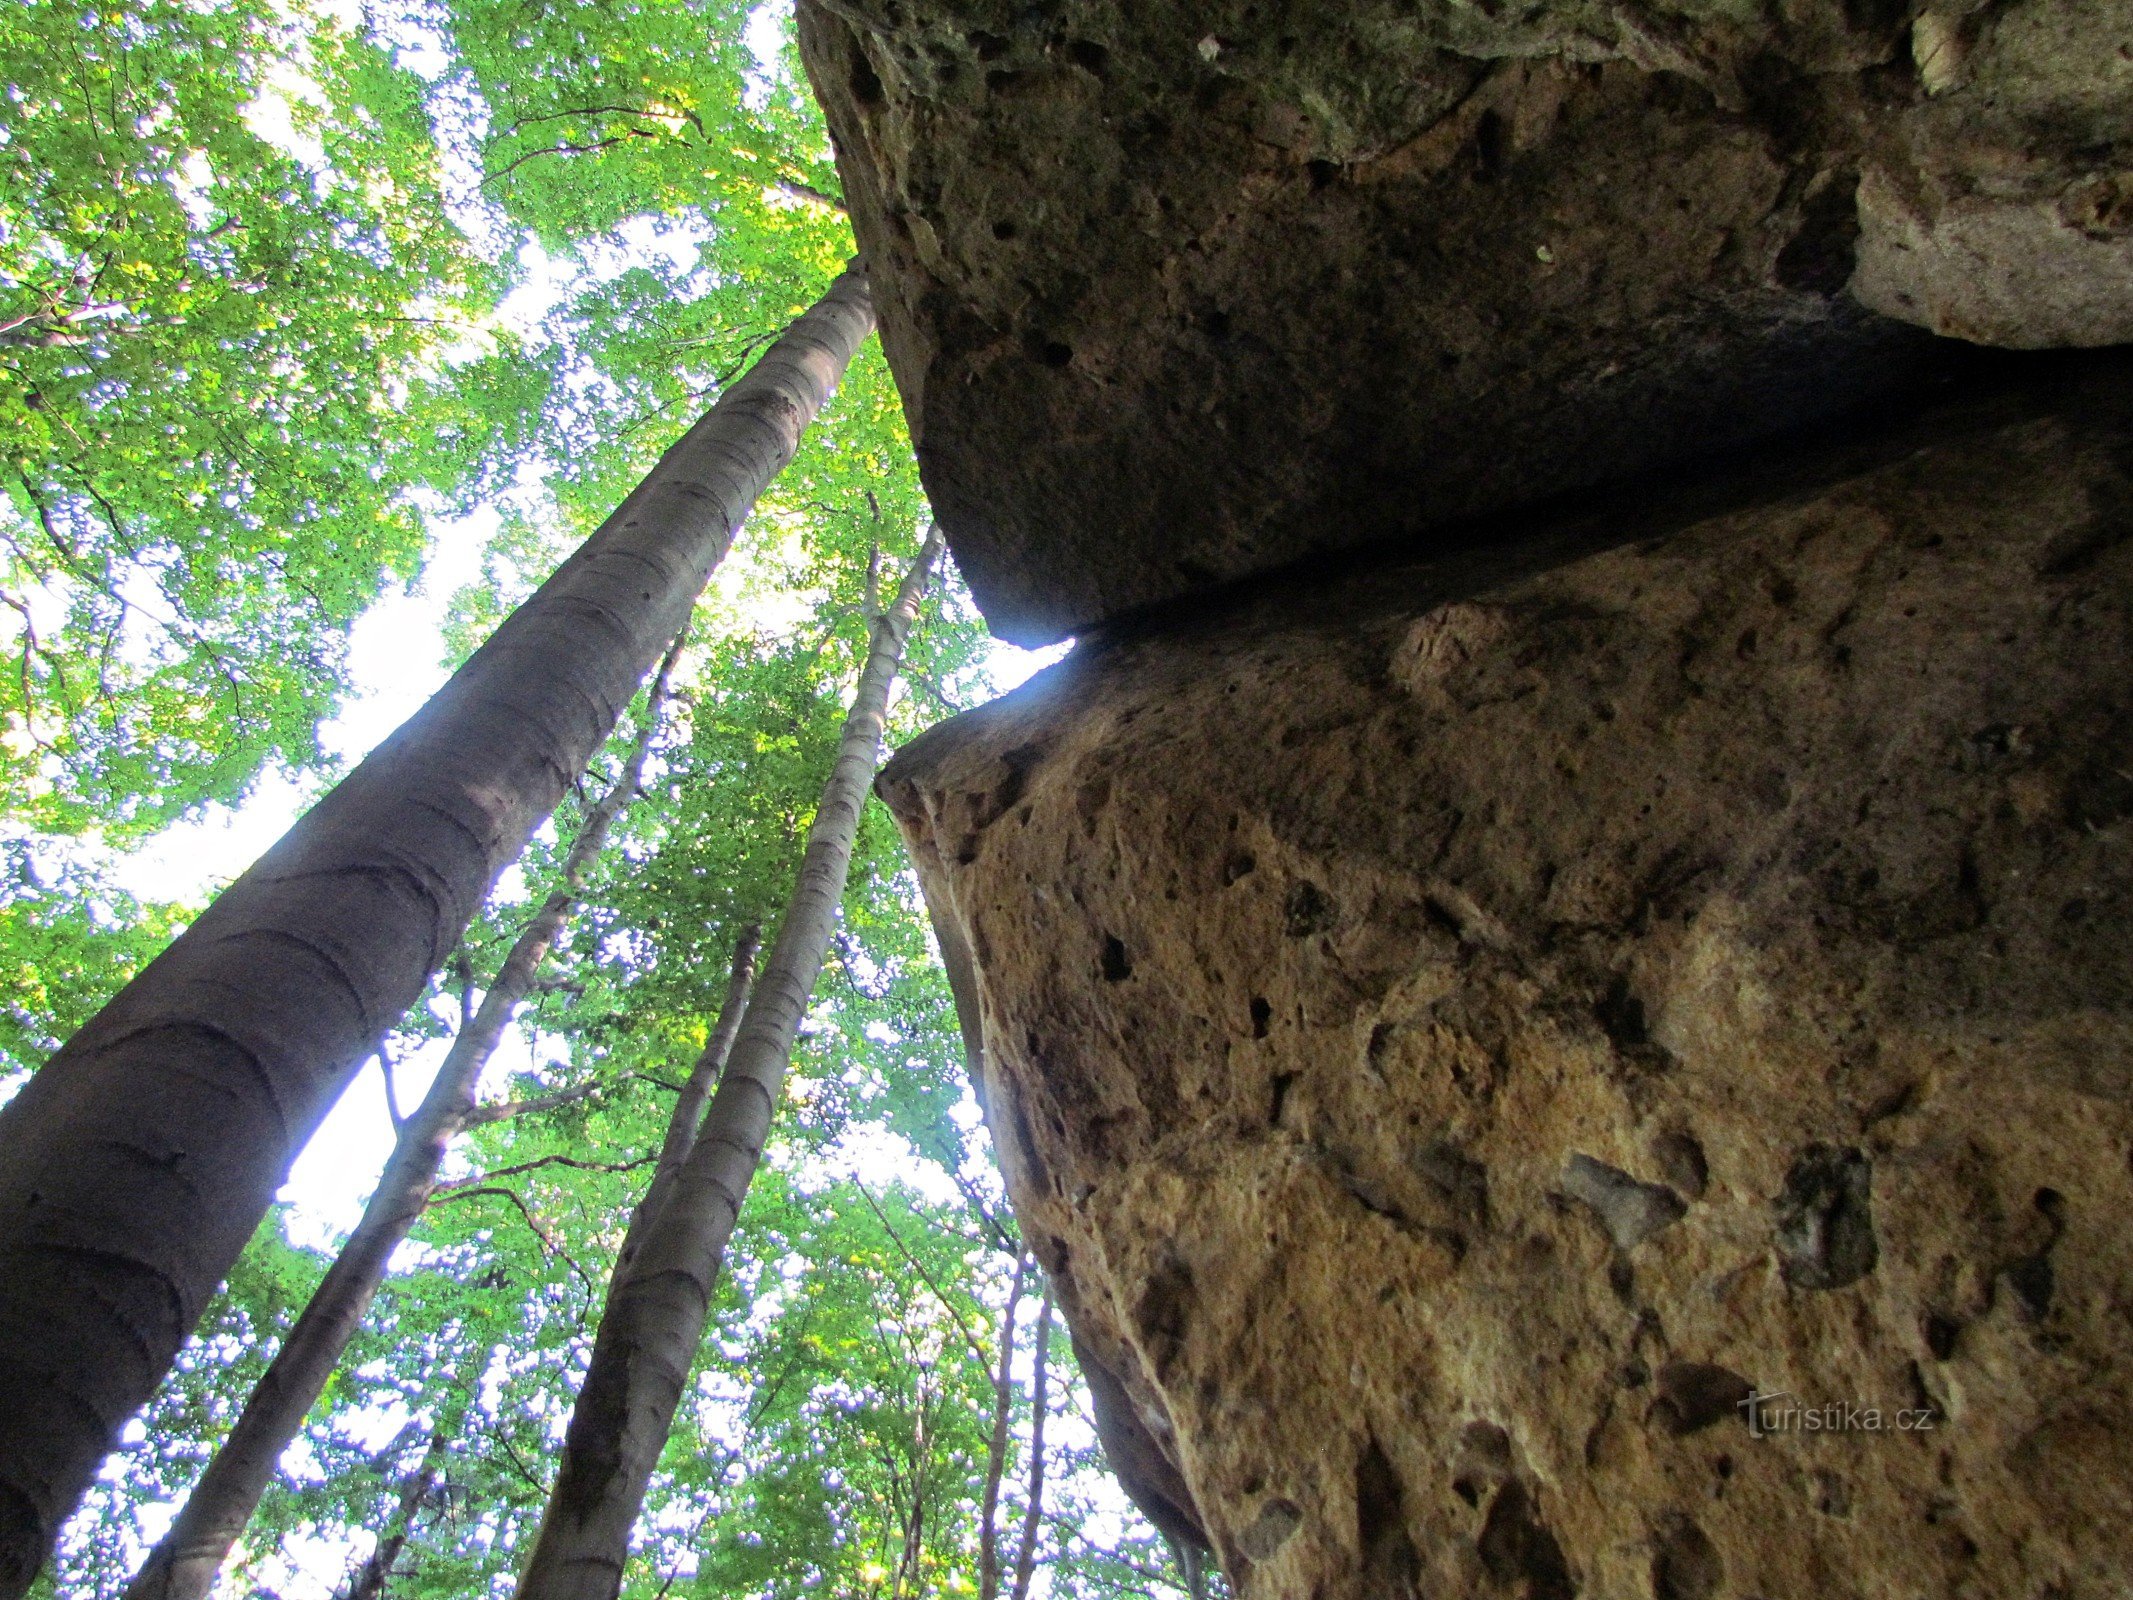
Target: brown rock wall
point(1454, 1031)
point(1180, 293)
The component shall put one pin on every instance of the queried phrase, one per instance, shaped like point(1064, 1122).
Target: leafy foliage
point(273, 295)
point(223, 369)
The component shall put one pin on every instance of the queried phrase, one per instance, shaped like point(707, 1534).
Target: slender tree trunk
point(1003, 1403)
point(134, 1167)
point(1033, 1512)
point(655, 1311)
point(915, 1527)
point(184, 1563)
point(377, 1567)
point(688, 1113)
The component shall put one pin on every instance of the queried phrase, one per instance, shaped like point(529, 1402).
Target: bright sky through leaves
point(321, 346)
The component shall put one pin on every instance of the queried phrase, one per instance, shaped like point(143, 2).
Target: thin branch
point(392, 1088)
point(695, 1533)
point(740, 360)
point(1009, 1239)
point(933, 687)
point(460, 1188)
point(541, 1230)
point(808, 194)
point(1003, 1401)
point(1033, 1510)
point(177, 628)
point(568, 150)
point(770, 1393)
point(482, 1116)
point(532, 1482)
point(962, 1327)
point(597, 111)
point(656, 1081)
point(978, 1239)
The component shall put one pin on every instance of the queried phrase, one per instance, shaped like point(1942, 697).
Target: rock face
point(1456, 1033)
point(1177, 293)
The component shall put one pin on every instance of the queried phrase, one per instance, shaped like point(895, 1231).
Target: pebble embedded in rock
point(1825, 1221)
point(1630, 1211)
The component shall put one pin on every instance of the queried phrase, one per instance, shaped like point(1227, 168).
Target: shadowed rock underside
point(1176, 293)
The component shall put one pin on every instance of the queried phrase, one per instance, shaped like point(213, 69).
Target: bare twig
point(541, 1230)
point(518, 1464)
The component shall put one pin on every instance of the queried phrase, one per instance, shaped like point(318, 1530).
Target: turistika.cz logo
point(1783, 1412)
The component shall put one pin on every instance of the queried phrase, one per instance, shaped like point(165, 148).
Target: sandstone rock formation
point(1456, 1032)
point(1177, 293)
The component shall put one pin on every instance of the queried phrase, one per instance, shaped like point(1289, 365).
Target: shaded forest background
point(285, 293)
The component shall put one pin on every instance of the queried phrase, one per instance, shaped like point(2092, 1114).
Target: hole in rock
point(1685, 1564)
point(1090, 56)
point(1116, 967)
point(866, 86)
point(1389, 1554)
point(1519, 1552)
point(1490, 142)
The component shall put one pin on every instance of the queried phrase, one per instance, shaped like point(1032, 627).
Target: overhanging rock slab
point(1180, 293)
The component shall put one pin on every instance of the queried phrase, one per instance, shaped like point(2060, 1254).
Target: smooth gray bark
point(185, 1561)
point(134, 1167)
point(655, 1313)
point(688, 1113)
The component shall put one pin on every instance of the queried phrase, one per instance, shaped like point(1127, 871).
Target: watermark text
point(1785, 1412)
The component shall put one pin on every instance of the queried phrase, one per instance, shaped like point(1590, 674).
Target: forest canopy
point(315, 314)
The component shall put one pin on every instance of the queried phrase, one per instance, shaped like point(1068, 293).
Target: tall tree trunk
point(370, 1579)
point(688, 1113)
point(186, 1559)
point(655, 1311)
point(1033, 1511)
point(1003, 1405)
point(907, 1565)
point(134, 1167)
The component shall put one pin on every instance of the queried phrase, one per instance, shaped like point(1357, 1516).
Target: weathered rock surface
point(1454, 1033)
point(1176, 293)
